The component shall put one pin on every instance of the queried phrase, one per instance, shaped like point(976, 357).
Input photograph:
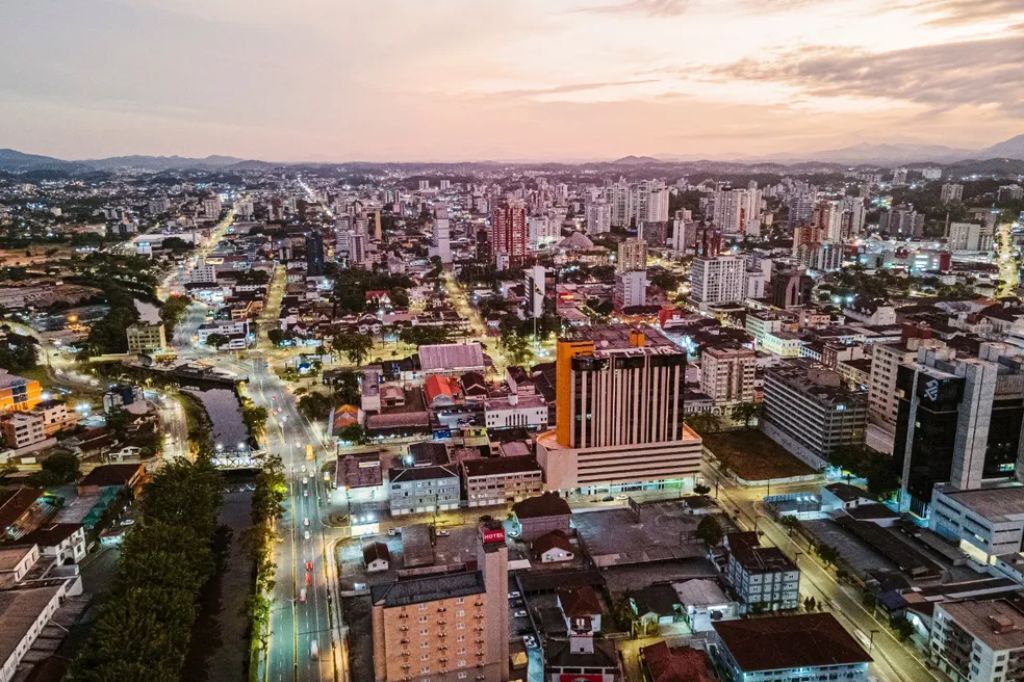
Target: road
point(177, 277)
point(892, 660)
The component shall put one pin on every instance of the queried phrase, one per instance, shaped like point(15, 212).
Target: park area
point(753, 456)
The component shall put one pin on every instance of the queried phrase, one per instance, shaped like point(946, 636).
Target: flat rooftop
point(996, 623)
point(429, 588)
point(995, 504)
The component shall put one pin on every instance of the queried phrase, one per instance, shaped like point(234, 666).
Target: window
point(460, 626)
point(422, 607)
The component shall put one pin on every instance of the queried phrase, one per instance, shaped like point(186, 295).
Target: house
point(128, 476)
point(473, 386)
point(376, 557)
point(552, 547)
point(542, 514)
point(655, 606)
point(442, 391)
point(19, 508)
point(836, 496)
point(703, 603)
point(578, 603)
point(663, 663)
point(809, 646)
point(65, 542)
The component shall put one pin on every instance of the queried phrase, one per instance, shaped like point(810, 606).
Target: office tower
point(684, 234)
point(727, 373)
point(630, 289)
point(599, 217)
point(450, 626)
point(314, 254)
point(899, 176)
point(632, 255)
point(800, 205)
point(535, 286)
point(958, 421)
point(212, 208)
point(808, 409)
point(717, 280)
point(619, 412)
point(827, 219)
point(854, 214)
point(951, 192)
point(442, 235)
point(620, 203)
point(630, 204)
point(509, 235)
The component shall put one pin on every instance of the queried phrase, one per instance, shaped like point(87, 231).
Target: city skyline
point(592, 79)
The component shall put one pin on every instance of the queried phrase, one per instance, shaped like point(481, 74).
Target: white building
point(630, 289)
point(515, 411)
point(738, 211)
point(971, 237)
point(978, 641)
point(442, 235)
point(717, 280)
point(986, 522)
point(728, 374)
point(599, 217)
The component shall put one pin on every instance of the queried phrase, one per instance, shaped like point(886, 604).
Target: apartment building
point(422, 490)
point(728, 373)
point(883, 395)
point(516, 412)
point(56, 416)
point(446, 627)
point(22, 429)
point(146, 338)
point(808, 410)
point(494, 481)
point(763, 578)
point(619, 413)
point(978, 641)
point(717, 280)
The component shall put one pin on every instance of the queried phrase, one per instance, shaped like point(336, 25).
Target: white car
point(514, 594)
point(305, 493)
point(305, 522)
point(306, 535)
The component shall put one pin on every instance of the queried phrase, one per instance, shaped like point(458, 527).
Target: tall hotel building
point(619, 410)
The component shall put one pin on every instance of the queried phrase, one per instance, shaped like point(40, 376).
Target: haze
point(325, 80)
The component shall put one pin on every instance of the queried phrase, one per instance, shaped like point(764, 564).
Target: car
point(309, 579)
point(128, 522)
point(394, 531)
point(302, 595)
point(607, 498)
point(443, 533)
point(517, 603)
point(309, 565)
point(622, 498)
point(519, 613)
point(305, 481)
point(314, 650)
point(525, 630)
point(514, 594)
point(305, 522)
point(305, 493)
point(306, 535)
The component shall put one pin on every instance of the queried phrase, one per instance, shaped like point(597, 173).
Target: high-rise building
point(886, 358)
point(146, 338)
point(899, 176)
point(599, 217)
point(951, 192)
point(442, 235)
point(212, 208)
point(450, 626)
point(727, 373)
point(630, 289)
point(738, 211)
point(630, 204)
point(535, 286)
point(809, 410)
point(827, 218)
point(314, 254)
point(958, 421)
point(509, 235)
point(902, 221)
point(970, 237)
point(717, 280)
point(632, 255)
point(789, 289)
point(619, 413)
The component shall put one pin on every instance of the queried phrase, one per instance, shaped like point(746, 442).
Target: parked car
point(514, 594)
point(394, 531)
point(520, 613)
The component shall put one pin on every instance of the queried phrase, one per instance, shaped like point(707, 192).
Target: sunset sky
point(334, 80)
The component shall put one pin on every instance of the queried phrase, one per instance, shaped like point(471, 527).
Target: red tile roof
point(800, 641)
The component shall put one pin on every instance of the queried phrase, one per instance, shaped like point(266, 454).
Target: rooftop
point(451, 356)
point(430, 588)
point(497, 466)
point(1000, 504)
point(996, 623)
point(19, 610)
point(781, 642)
point(547, 504)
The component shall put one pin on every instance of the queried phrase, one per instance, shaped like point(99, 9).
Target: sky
point(443, 80)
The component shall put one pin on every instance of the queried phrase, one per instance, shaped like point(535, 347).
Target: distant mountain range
point(13, 161)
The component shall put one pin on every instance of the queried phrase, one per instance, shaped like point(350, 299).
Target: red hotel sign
point(494, 535)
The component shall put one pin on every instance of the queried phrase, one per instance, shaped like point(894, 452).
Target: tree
point(827, 553)
point(353, 433)
point(705, 422)
point(790, 523)
point(275, 336)
point(58, 469)
point(356, 346)
point(217, 340)
point(171, 311)
point(424, 336)
point(903, 628)
point(18, 353)
point(744, 412)
point(346, 388)
point(701, 489)
point(516, 347)
point(710, 531)
point(255, 419)
point(315, 406)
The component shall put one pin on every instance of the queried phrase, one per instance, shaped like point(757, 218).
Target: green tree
point(346, 388)
point(217, 340)
point(356, 346)
point(701, 489)
point(710, 531)
point(353, 433)
point(744, 412)
point(903, 628)
point(705, 422)
point(424, 336)
point(58, 469)
point(827, 553)
point(314, 406)
point(275, 336)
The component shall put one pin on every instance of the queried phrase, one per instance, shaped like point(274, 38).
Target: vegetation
point(255, 419)
point(200, 430)
point(57, 469)
point(355, 346)
point(171, 312)
point(315, 406)
point(217, 340)
point(267, 506)
point(18, 353)
point(710, 531)
point(353, 433)
point(424, 336)
point(165, 561)
point(863, 462)
point(828, 554)
point(350, 287)
point(701, 489)
point(745, 412)
point(346, 388)
point(704, 423)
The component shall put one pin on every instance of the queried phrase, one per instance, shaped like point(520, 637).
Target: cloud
point(956, 11)
point(940, 77)
point(569, 88)
point(651, 8)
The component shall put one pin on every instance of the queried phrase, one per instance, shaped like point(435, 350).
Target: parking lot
point(665, 531)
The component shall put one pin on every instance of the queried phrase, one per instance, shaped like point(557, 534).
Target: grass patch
point(754, 456)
